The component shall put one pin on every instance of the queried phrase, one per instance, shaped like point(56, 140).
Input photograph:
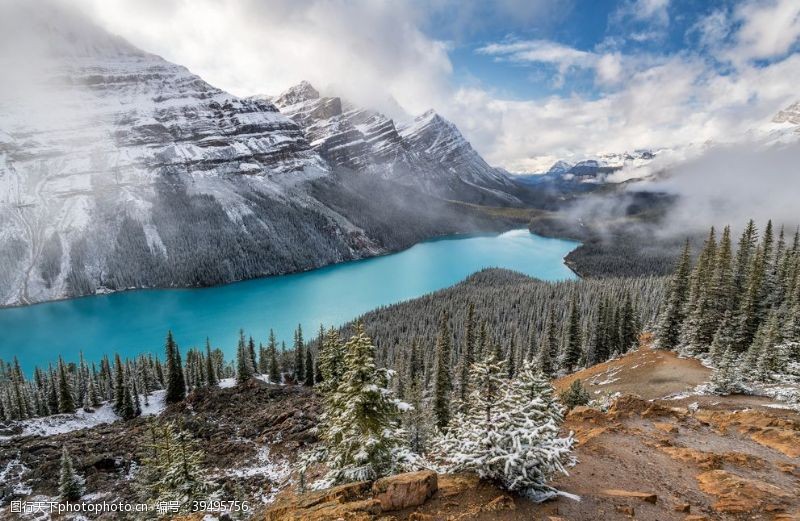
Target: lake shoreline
point(135, 321)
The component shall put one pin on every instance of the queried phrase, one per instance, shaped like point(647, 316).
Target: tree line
point(737, 307)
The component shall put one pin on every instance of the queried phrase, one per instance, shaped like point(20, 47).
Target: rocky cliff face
point(113, 161)
point(119, 169)
point(429, 153)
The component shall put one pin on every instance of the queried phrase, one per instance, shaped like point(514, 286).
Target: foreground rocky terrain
point(655, 450)
point(650, 446)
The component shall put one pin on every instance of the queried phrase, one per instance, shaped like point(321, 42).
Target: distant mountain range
point(119, 169)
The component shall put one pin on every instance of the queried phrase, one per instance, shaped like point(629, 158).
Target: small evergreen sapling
point(70, 483)
point(575, 395)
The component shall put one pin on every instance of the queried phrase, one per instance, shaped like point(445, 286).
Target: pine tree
point(746, 247)
point(274, 370)
point(749, 313)
point(119, 385)
point(309, 376)
point(548, 348)
point(176, 385)
point(575, 395)
point(244, 369)
point(725, 378)
point(467, 353)
point(70, 483)
point(172, 468)
point(572, 346)
point(211, 376)
point(511, 358)
point(359, 430)
point(251, 351)
point(508, 433)
point(628, 326)
point(66, 404)
point(669, 328)
point(299, 365)
point(442, 382)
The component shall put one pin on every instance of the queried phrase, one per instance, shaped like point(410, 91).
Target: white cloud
point(608, 66)
point(642, 20)
point(769, 28)
point(367, 51)
point(370, 51)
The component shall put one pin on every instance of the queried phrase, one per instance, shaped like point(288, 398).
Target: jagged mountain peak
point(790, 114)
point(299, 93)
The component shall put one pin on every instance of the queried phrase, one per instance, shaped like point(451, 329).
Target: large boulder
point(405, 490)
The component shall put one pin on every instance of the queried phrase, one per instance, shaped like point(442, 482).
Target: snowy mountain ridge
point(428, 153)
point(119, 170)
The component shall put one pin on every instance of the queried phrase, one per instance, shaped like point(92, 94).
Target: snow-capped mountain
point(119, 169)
point(428, 153)
point(597, 170)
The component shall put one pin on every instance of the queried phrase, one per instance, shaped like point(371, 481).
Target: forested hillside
point(738, 307)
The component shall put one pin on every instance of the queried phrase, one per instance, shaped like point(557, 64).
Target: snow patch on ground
point(63, 423)
point(609, 374)
point(12, 473)
point(277, 472)
point(227, 383)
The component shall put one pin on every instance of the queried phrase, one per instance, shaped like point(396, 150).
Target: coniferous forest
point(425, 383)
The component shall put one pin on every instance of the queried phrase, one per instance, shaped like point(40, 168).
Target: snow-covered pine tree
point(725, 378)
point(66, 403)
point(172, 468)
point(359, 425)
point(534, 450)
point(508, 433)
point(70, 483)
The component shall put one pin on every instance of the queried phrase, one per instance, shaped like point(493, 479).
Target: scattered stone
point(695, 517)
point(683, 507)
point(736, 494)
point(644, 496)
point(405, 490)
point(504, 502)
point(419, 516)
point(626, 509)
point(669, 428)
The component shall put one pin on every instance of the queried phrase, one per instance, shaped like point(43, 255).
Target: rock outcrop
point(356, 501)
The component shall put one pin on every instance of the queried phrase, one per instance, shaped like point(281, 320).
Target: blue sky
point(527, 81)
point(588, 26)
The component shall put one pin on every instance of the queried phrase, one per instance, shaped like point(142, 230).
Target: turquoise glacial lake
point(134, 322)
